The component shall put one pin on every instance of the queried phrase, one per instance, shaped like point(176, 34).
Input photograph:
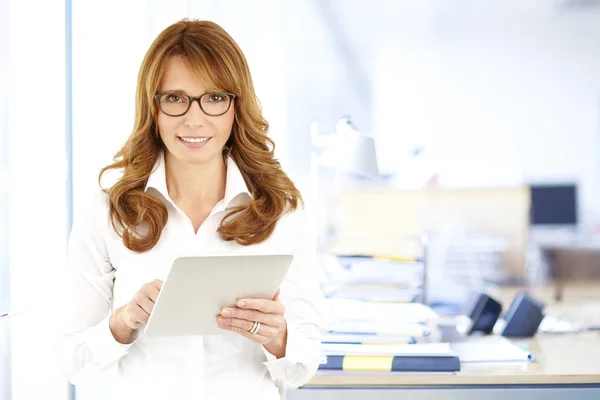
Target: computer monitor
point(554, 205)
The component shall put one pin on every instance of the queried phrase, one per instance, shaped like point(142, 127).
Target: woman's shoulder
point(96, 200)
point(93, 210)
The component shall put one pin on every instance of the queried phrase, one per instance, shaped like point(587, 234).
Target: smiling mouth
point(194, 139)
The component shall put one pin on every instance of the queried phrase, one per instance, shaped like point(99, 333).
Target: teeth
point(194, 140)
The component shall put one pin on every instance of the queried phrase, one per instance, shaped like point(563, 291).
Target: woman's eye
point(216, 97)
point(173, 98)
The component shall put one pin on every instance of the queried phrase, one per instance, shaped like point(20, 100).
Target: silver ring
point(251, 330)
point(255, 328)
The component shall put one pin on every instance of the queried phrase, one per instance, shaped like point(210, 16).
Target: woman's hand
point(132, 316)
point(272, 332)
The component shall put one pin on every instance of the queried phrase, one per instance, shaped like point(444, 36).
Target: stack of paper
point(373, 278)
point(368, 329)
point(401, 320)
point(378, 270)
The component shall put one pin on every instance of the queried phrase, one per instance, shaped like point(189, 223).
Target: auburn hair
point(207, 49)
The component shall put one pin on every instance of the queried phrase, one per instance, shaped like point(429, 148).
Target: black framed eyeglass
point(211, 103)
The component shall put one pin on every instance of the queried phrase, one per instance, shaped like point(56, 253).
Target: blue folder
point(391, 363)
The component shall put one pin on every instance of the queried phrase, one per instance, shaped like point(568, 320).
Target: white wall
point(516, 91)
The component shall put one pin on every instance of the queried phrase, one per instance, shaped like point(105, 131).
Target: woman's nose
point(195, 117)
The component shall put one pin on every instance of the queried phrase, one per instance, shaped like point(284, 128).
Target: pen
point(8, 314)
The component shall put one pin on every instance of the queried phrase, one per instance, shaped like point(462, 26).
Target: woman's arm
point(303, 300)
point(87, 345)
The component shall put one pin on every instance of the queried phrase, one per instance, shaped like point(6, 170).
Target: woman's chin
point(196, 157)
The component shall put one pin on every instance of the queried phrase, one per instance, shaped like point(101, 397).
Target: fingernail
point(226, 312)
point(241, 303)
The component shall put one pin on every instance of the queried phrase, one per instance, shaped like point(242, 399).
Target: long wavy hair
point(137, 216)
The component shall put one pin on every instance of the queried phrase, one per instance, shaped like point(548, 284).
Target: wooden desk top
point(559, 358)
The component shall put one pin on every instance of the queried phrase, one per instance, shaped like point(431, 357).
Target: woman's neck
point(196, 183)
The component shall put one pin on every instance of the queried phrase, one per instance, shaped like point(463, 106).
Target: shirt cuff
point(103, 344)
point(300, 362)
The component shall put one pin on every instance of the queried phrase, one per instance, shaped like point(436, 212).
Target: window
point(5, 369)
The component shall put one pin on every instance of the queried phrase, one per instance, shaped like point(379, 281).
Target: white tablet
point(197, 288)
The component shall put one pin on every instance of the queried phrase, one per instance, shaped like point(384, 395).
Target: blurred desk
point(566, 366)
point(572, 262)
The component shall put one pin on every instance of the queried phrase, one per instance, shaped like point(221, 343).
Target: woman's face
point(195, 137)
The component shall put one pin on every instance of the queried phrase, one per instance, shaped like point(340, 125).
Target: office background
point(466, 93)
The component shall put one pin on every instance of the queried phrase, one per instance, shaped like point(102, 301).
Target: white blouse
point(103, 275)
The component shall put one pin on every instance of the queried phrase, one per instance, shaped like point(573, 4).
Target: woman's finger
point(144, 302)
point(265, 306)
point(251, 315)
point(151, 290)
point(264, 330)
point(264, 335)
point(157, 283)
point(138, 314)
point(235, 322)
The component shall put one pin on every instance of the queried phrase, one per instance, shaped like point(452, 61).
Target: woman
point(198, 177)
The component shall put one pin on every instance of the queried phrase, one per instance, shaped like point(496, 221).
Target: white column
point(37, 187)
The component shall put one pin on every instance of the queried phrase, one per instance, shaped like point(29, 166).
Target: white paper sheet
point(490, 349)
point(330, 337)
point(421, 349)
point(342, 309)
point(380, 328)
